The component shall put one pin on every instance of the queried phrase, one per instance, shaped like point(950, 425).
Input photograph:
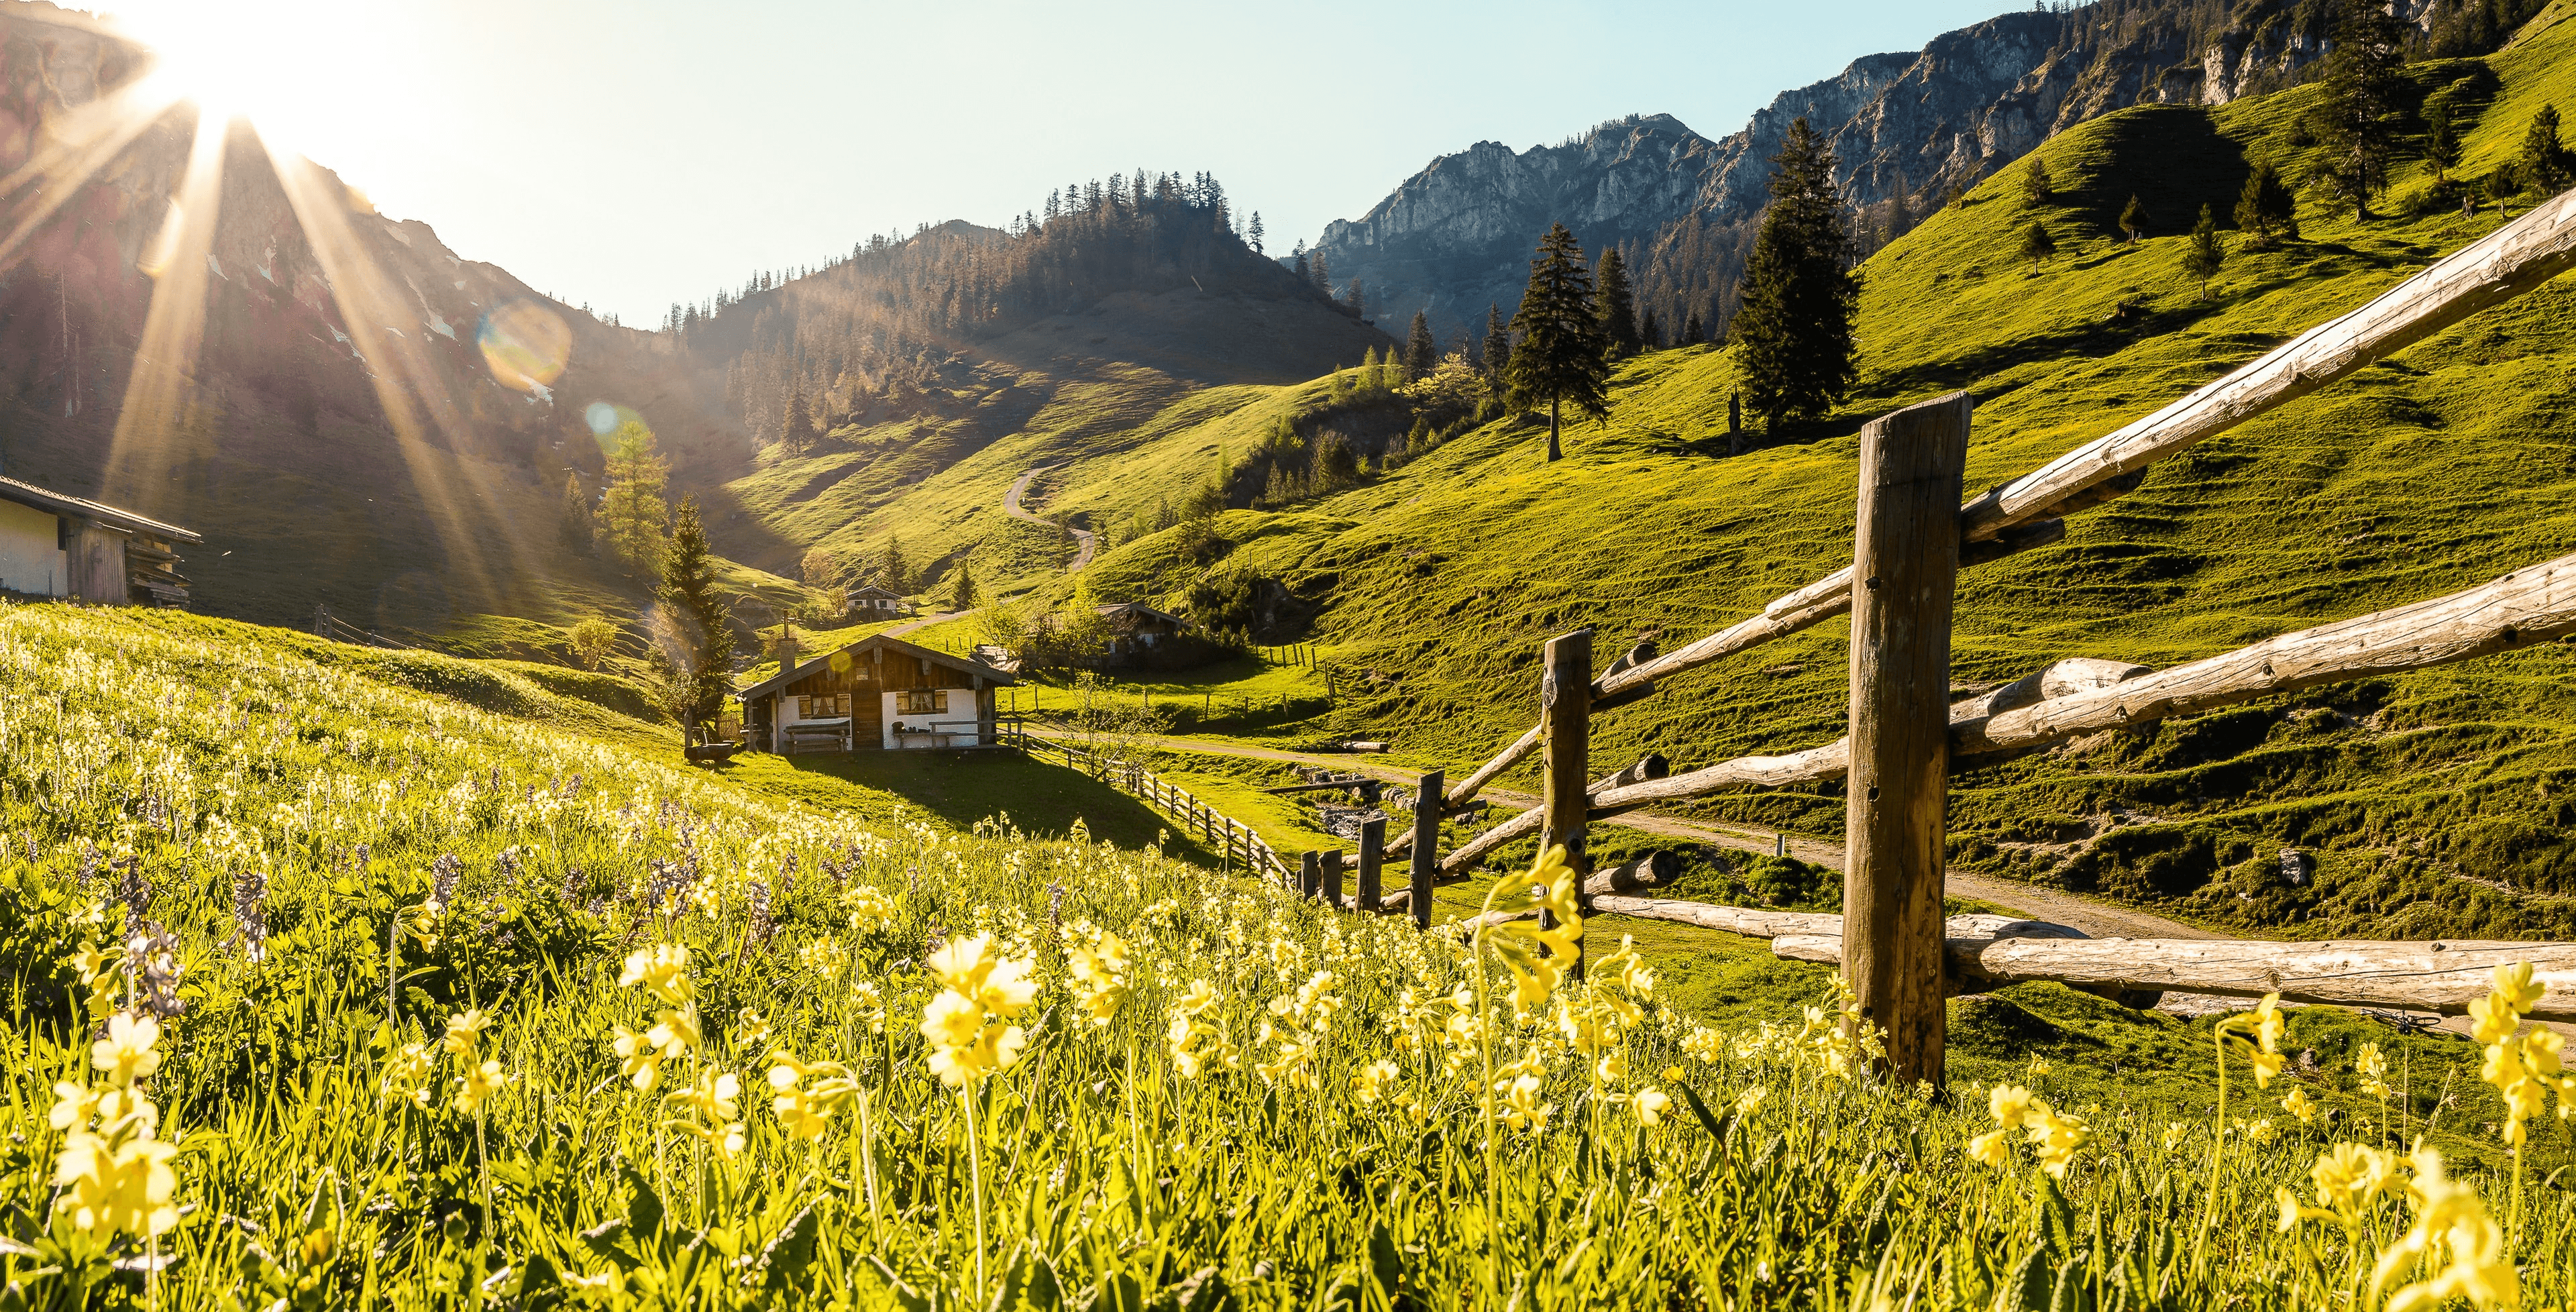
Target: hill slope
point(2436, 804)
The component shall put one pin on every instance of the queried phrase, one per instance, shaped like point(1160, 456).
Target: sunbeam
point(163, 383)
point(75, 150)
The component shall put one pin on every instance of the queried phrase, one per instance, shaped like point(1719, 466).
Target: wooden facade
point(56, 545)
point(878, 693)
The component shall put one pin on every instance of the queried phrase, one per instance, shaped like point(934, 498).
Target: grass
point(323, 1153)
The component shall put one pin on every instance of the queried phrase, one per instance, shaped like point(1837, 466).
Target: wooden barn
point(53, 544)
point(870, 602)
point(877, 693)
point(1134, 625)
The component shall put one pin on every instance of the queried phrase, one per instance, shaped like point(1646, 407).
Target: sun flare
point(271, 63)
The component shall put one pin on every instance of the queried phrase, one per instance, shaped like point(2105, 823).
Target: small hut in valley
point(876, 693)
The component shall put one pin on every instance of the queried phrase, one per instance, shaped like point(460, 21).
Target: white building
point(56, 545)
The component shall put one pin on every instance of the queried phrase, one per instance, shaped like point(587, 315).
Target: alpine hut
point(876, 693)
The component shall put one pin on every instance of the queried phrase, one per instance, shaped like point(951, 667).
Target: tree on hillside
point(1650, 334)
point(2361, 114)
point(2543, 163)
point(2036, 244)
point(1323, 272)
point(1616, 304)
point(1498, 342)
point(705, 641)
point(591, 640)
point(1356, 297)
point(2441, 140)
point(2133, 218)
point(632, 513)
point(1694, 332)
point(891, 572)
point(2266, 212)
point(824, 571)
point(961, 595)
point(2037, 188)
point(1798, 295)
point(1559, 359)
point(576, 526)
point(1256, 232)
point(1421, 354)
point(2204, 257)
point(796, 431)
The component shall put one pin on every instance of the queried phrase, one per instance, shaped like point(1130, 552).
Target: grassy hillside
point(2435, 804)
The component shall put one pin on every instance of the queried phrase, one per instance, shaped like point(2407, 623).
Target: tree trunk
point(1554, 452)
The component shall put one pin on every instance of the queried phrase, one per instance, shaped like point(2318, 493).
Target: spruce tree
point(1650, 333)
point(1256, 232)
point(1560, 359)
point(2362, 111)
point(892, 574)
point(1421, 354)
point(1616, 303)
point(688, 591)
point(2037, 188)
point(1323, 273)
point(577, 528)
point(961, 596)
point(2036, 244)
point(2441, 141)
point(1498, 342)
point(796, 425)
point(2204, 257)
point(1693, 331)
point(2543, 162)
point(2266, 212)
point(1798, 294)
point(2133, 218)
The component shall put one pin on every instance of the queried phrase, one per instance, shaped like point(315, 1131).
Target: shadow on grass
point(963, 788)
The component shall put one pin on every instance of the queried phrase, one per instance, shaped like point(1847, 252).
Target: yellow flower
point(1372, 1079)
point(1994, 1148)
point(2454, 1230)
point(464, 1035)
point(676, 1033)
point(824, 957)
point(2515, 984)
point(477, 1084)
point(2350, 1175)
point(1751, 1098)
point(636, 1058)
point(970, 968)
point(1651, 1104)
point(808, 1093)
point(750, 1031)
point(2056, 1136)
point(1673, 1073)
point(661, 970)
point(870, 910)
point(74, 1106)
point(2267, 1067)
point(407, 1074)
point(2010, 1104)
point(868, 1005)
point(2494, 1018)
point(2299, 1104)
point(126, 1053)
point(1521, 1107)
point(1098, 974)
point(2373, 1069)
point(715, 1096)
point(2174, 1132)
point(112, 1185)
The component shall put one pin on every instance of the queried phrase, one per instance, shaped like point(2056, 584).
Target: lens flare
point(602, 418)
point(525, 344)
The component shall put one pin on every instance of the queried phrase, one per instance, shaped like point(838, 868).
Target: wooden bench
point(830, 735)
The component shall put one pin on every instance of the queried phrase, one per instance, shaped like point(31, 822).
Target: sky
point(627, 154)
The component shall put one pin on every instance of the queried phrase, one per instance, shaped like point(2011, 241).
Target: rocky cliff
point(1907, 128)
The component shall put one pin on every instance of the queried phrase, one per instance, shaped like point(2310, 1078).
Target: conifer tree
point(2204, 257)
point(632, 512)
point(1498, 342)
point(796, 425)
point(2362, 112)
point(688, 590)
point(2266, 212)
point(1649, 332)
point(2543, 164)
point(1421, 354)
point(2036, 244)
point(892, 574)
point(2037, 188)
point(1694, 332)
point(1798, 295)
point(1560, 358)
point(2133, 218)
point(1256, 232)
point(2441, 141)
point(1323, 272)
point(1616, 303)
point(577, 527)
point(961, 596)
point(1356, 297)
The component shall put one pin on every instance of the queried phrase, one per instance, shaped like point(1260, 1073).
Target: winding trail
point(1011, 507)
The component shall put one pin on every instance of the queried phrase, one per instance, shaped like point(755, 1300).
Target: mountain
point(1910, 130)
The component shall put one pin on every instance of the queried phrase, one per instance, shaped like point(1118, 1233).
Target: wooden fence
point(1235, 842)
point(1905, 735)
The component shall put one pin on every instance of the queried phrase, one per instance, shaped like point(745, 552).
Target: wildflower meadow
point(324, 992)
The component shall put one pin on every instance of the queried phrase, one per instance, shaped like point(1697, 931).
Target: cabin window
point(823, 706)
point(917, 701)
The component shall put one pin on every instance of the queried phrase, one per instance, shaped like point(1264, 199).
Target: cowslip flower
point(661, 970)
point(464, 1035)
point(1536, 954)
point(117, 1184)
point(126, 1054)
point(1751, 1098)
point(1372, 1080)
point(407, 1074)
point(637, 1059)
point(676, 1033)
point(1651, 1103)
point(2299, 1104)
point(2261, 1029)
point(2456, 1235)
point(808, 1093)
point(964, 1023)
point(2373, 1069)
point(1097, 973)
point(477, 1085)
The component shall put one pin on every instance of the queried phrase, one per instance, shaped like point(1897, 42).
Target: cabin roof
point(867, 590)
point(63, 503)
point(898, 646)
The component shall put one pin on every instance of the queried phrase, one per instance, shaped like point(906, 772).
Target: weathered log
point(1372, 861)
point(1734, 920)
point(2443, 976)
point(1652, 765)
point(1425, 865)
point(1565, 711)
point(1322, 786)
point(1644, 872)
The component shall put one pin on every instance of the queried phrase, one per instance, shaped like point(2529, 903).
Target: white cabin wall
point(31, 554)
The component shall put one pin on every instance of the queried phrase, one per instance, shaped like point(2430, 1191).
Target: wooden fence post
point(1565, 708)
point(1331, 890)
point(1426, 843)
point(1372, 861)
point(1310, 873)
point(1905, 563)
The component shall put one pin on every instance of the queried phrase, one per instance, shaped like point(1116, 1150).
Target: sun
point(274, 63)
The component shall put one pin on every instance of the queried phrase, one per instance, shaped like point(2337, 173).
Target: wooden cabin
point(877, 693)
point(53, 544)
point(1134, 625)
point(870, 602)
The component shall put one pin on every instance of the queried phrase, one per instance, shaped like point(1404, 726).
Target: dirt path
point(924, 622)
point(1082, 536)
